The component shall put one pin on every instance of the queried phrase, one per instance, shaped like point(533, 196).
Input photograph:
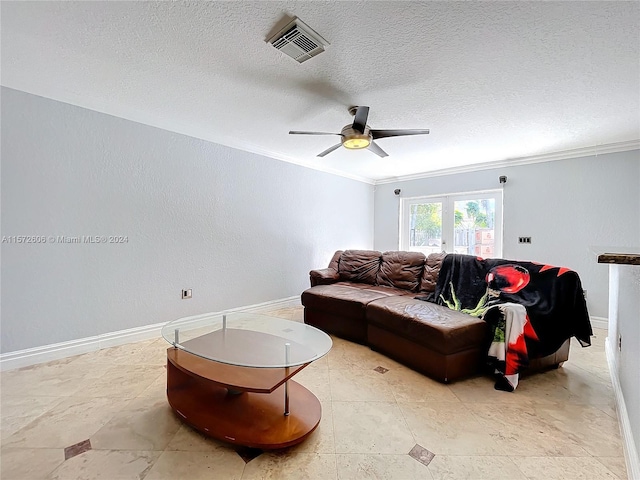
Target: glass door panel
point(425, 227)
point(475, 227)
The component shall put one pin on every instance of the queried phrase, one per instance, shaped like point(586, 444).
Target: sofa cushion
point(359, 266)
point(431, 271)
point(344, 300)
point(387, 291)
point(433, 326)
point(401, 270)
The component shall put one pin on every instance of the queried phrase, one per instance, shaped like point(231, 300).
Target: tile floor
point(104, 415)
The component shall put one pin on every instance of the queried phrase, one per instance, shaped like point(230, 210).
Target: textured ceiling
point(492, 80)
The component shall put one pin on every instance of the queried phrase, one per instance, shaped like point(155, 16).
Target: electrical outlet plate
point(524, 239)
point(186, 293)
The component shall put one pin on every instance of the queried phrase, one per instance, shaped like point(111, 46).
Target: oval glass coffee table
point(229, 376)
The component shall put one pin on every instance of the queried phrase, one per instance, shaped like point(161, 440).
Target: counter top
point(620, 258)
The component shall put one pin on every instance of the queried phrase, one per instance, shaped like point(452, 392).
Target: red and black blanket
point(497, 290)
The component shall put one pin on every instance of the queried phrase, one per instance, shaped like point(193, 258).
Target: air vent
point(298, 40)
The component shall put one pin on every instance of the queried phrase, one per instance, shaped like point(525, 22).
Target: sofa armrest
point(325, 276)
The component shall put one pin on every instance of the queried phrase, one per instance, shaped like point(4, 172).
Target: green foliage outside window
point(458, 218)
point(478, 214)
point(428, 219)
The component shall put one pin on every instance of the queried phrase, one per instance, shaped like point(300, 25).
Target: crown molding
point(546, 157)
point(208, 136)
point(288, 159)
point(193, 131)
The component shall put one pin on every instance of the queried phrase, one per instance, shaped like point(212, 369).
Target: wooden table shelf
point(240, 405)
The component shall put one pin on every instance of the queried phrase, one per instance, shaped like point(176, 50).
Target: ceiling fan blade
point(296, 132)
point(396, 133)
point(360, 120)
point(373, 146)
point(329, 150)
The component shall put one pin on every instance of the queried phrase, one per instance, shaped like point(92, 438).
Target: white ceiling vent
point(298, 40)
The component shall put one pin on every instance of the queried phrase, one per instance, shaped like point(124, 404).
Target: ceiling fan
point(359, 135)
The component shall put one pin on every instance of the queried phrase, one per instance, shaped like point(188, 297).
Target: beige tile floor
point(557, 425)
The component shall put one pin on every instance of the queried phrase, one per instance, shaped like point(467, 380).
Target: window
point(469, 223)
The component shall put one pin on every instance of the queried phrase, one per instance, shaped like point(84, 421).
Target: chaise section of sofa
point(441, 343)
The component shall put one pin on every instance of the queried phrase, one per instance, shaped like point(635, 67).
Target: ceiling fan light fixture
point(356, 142)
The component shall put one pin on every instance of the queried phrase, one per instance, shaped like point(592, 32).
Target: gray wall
point(238, 228)
point(571, 209)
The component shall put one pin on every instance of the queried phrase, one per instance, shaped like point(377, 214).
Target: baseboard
point(57, 351)
point(267, 306)
point(599, 322)
point(630, 452)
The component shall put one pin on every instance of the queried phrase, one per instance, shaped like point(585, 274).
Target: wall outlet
point(524, 239)
point(619, 343)
point(186, 293)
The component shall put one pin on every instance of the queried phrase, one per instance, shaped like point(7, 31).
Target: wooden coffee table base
point(250, 419)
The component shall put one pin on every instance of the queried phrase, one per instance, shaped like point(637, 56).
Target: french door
point(469, 223)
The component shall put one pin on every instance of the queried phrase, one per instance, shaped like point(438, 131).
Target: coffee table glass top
point(248, 339)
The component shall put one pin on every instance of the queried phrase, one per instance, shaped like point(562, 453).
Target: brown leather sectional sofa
point(369, 297)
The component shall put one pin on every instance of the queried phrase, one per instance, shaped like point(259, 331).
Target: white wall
point(238, 228)
point(624, 323)
point(570, 208)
